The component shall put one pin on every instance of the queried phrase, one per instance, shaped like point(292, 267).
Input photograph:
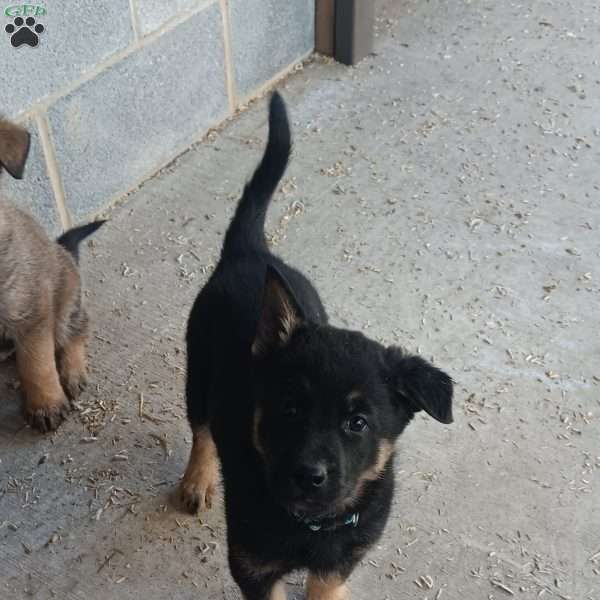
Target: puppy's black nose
point(311, 476)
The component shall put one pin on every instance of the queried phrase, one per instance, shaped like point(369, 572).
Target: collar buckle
point(332, 523)
point(352, 519)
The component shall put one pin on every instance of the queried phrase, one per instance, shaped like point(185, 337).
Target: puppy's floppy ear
point(420, 385)
point(14, 148)
point(279, 317)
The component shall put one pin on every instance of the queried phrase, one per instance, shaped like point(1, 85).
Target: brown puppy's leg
point(45, 403)
point(72, 366)
point(198, 485)
point(326, 587)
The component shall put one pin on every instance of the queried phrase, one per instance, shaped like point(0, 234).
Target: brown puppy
point(41, 312)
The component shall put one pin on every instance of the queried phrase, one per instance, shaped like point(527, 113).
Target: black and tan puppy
point(302, 415)
point(41, 313)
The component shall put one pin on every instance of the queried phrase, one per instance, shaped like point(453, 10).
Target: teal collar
point(331, 523)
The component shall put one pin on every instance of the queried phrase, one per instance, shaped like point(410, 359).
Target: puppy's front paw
point(48, 415)
point(199, 483)
point(197, 494)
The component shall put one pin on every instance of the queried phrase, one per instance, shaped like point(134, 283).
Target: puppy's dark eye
point(357, 423)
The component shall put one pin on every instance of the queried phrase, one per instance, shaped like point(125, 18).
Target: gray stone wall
point(115, 89)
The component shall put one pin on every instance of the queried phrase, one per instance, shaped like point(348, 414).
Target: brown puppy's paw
point(47, 418)
point(72, 367)
point(46, 405)
point(73, 383)
point(195, 496)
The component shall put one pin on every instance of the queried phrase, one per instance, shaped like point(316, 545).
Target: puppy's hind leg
point(72, 336)
point(72, 365)
point(199, 482)
point(46, 405)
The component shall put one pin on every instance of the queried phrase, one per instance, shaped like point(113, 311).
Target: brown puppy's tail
point(246, 230)
point(14, 148)
point(71, 239)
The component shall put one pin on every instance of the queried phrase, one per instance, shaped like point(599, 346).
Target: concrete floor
point(443, 195)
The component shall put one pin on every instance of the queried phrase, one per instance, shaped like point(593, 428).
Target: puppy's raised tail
point(246, 231)
point(71, 239)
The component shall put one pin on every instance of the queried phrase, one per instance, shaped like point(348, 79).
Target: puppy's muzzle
point(311, 477)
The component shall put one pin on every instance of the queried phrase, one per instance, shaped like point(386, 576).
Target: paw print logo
point(24, 32)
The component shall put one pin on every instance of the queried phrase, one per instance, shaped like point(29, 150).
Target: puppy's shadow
point(12, 423)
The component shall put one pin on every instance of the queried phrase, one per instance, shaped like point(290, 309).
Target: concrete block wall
point(117, 88)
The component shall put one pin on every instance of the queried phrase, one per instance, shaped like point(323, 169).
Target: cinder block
point(33, 193)
point(267, 36)
point(134, 117)
point(76, 36)
point(151, 14)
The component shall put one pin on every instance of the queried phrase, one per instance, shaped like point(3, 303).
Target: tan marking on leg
point(278, 592)
point(199, 483)
point(326, 587)
point(258, 569)
point(255, 431)
point(72, 366)
point(46, 405)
